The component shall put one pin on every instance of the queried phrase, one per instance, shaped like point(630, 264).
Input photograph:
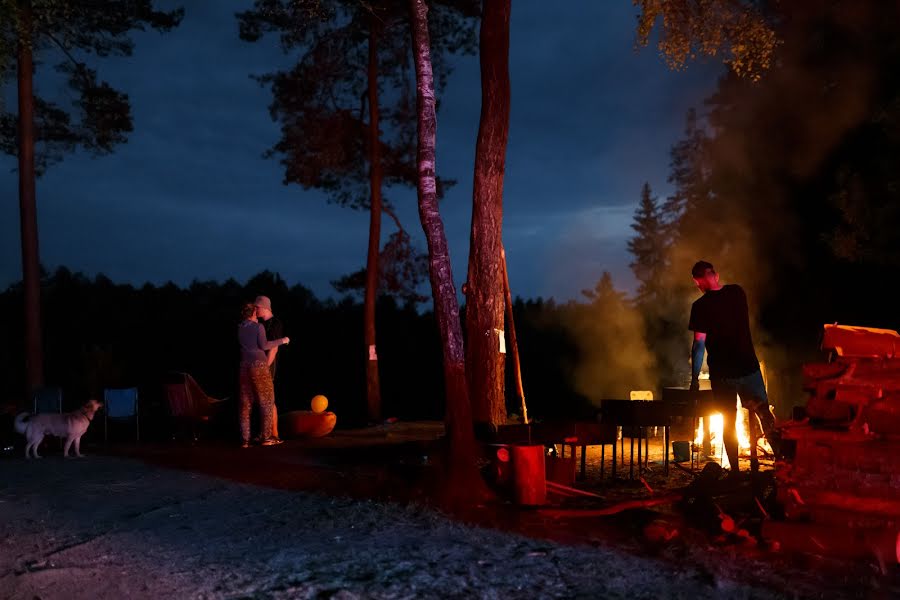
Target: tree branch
point(80, 67)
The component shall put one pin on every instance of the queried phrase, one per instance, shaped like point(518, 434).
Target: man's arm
point(698, 348)
point(276, 331)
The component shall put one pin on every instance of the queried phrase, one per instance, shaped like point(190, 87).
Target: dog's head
point(91, 407)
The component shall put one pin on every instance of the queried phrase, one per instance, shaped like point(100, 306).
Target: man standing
point(720, 320)
point(274, 330)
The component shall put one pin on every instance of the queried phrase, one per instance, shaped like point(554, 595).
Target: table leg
point(666, 450)
point(583, 453)
point(614, 445)
point(640, 432)
point(631, 462)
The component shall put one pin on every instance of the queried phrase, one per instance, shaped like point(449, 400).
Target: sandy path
point(107, 527)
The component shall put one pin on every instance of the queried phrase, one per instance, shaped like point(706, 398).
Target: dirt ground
point(338, 518)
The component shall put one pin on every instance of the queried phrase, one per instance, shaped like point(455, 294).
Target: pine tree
point(689, 173)
point(102, 113)
point(648, 247)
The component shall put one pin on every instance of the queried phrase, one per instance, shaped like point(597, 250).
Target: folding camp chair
point(188, 403)
point(47, 400)
point(121, 404)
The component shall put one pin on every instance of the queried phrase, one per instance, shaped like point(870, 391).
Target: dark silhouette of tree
point(689, 173)
point(73, 29)
point(485, 297)
point(648, 247)
point(604, 292)
point(660, 285)
point(351, 55)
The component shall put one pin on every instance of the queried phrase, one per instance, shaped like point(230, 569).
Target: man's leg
point(752, 390)
point(725, 395)
point(274, 408)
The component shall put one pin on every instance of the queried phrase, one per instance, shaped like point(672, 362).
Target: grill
point(634, 416)
point(682, 402)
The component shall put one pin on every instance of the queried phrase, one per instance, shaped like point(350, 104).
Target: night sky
point(191, 197)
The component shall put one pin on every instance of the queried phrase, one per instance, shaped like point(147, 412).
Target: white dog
point(70, 426)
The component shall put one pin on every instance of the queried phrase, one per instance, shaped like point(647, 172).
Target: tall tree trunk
point(446, 308)
point(373, 388)
point(485, 297)
point(31, 270)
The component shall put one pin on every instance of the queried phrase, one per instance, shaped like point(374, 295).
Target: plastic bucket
point(681, 451)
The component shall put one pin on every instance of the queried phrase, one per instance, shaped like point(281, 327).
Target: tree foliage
point(648, 247)
point(69, 33)
point(320, 103)
point(739, 30)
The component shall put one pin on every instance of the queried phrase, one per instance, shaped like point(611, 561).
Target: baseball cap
point(263, 302)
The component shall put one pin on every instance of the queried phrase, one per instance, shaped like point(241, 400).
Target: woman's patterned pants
point(256, 385)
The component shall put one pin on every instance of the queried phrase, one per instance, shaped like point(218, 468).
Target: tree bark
point(373, 388)
point(485, 300)
point(446, 308)
point(31, 270)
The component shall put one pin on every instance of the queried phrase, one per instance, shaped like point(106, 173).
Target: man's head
point(263, 307)
point(705, 276)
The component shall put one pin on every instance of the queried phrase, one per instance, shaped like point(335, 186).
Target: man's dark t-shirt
point(723, 316)
point(274, 330)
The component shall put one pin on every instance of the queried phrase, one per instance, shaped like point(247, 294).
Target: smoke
point(761, 212)
point(613, 356)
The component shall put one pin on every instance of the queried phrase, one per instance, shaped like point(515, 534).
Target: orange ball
point(319, 403)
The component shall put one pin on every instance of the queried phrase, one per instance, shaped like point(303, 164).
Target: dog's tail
point(22, 422)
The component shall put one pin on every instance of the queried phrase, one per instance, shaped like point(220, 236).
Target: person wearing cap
point(720, 320)
point(255, 377)
point(274, 330)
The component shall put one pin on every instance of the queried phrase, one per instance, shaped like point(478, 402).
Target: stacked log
point(840, 489)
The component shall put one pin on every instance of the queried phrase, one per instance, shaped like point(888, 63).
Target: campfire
point(747, 433)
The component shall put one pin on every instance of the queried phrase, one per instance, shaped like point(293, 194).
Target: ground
point(332, 519)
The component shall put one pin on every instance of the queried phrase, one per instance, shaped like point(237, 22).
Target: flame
point(743, 434)
point(742, 426)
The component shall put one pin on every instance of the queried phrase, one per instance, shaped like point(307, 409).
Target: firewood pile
point(840, 485)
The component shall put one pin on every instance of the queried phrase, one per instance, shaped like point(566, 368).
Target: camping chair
point(188, 403)
point(47, 400)
point(120, 404)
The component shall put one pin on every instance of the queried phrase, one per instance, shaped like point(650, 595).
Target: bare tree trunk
point(31, 270)
point(485, 298)
point(513, 342)
point(446, 308)
point(373, 388)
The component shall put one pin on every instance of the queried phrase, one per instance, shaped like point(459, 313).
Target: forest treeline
point(107, 334)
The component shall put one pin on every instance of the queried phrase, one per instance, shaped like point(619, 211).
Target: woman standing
point(256, 380)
